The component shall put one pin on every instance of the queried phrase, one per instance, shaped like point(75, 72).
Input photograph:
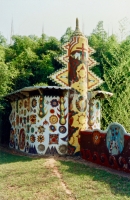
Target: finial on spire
point(77, 24)
point(77, 31)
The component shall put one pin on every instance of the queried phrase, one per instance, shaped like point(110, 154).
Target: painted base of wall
point(110, 148)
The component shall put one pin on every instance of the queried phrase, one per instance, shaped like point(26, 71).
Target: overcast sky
point(55, 16)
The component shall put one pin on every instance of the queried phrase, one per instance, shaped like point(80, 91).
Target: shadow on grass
point(8, 157)
point(118, 185)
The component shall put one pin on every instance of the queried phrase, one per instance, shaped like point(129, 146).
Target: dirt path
point(51, 164)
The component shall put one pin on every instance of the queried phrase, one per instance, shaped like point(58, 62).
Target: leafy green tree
point(97, 40)
point(117, 80)
point(67, 35)
point(3, 41)
point(114, 68)
point(33, 59)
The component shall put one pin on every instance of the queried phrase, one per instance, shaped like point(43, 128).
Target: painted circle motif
point(32, 138)
point(82, 119)
point(33, 119)
point(52, 111)
point(54, 103)
point(63, 149)
point(53, 119)
point(52, 128)
point(53, 138)
point(41, 147)
point(62, 129)
point(40, 138)
point(96, 137)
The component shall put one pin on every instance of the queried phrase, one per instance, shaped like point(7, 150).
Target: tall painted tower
point(76, 74)
point(78, 81)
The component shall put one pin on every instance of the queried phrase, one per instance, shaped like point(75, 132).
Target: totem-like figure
point(77, 75)
point(78, 81)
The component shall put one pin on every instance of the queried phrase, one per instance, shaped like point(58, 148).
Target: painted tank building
point(48, 119)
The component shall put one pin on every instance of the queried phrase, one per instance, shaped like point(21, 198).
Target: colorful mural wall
point(109, 148)
point(39, 124)
point(44, 127)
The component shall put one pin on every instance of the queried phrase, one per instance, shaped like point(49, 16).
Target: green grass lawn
point(94, 184)
point(22, 177)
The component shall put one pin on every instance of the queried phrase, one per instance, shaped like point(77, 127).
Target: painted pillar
point(94, 112)
point(78, 81)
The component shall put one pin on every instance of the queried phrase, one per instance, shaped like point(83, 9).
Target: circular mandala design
point(32, 138)
point(54, 103)
point(41, 147)
point(62, 129)
point(53, 119)
point(63, 148)
point(96, 137)
point(40, 138)
point(52, 128)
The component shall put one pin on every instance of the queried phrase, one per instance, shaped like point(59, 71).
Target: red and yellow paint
point(76, 74)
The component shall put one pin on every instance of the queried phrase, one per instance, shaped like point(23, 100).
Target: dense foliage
point(30, 59)
point(114, 68)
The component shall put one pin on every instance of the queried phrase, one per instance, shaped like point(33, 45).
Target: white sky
point(29, 16)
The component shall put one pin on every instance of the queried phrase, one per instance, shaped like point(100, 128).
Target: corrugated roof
point(26, 90)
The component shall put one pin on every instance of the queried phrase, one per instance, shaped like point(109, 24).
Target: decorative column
point(76, 74)
point(78, 81)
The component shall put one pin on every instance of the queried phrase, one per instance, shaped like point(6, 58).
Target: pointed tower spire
point(77, 31)
point(77, 24)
